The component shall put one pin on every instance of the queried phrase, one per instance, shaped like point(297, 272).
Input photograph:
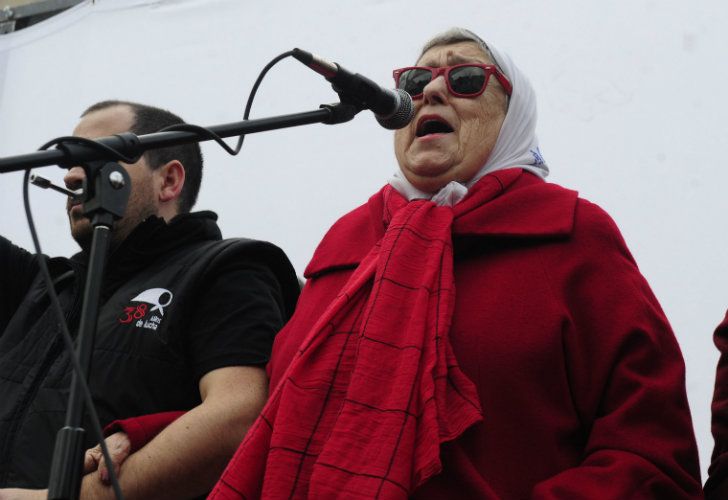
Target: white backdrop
point(631, 99)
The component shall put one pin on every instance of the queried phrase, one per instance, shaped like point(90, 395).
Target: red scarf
point(375, 388)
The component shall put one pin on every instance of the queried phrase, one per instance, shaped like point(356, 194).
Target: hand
point(21, 494)
point(119, 449)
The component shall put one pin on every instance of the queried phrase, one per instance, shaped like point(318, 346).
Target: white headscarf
point(516, 146)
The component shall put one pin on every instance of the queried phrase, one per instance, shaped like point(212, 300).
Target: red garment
point(578, 373)
point(141, 430)
point(378, 405)
point(716, 488)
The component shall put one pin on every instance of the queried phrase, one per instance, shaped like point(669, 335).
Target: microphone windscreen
point(403, 113)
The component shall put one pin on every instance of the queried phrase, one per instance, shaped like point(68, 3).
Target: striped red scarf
point(375, 388)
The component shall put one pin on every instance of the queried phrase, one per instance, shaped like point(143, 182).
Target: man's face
point(142, 198)
point(431, 160)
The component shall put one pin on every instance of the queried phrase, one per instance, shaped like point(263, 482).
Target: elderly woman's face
point(431, 160)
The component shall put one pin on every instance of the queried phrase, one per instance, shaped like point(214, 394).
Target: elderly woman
point(471, 331)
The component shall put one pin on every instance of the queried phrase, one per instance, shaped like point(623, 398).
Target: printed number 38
point(133, 313)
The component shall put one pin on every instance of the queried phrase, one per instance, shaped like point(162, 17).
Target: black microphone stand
point(106, 191)
point(68, 155)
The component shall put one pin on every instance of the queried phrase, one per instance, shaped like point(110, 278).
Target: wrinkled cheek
point(475, 148)
point(400, 147)
point(487, 129)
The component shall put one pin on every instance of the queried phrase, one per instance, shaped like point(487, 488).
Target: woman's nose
point(435, 91)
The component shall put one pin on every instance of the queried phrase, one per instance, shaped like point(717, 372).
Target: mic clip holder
point(340, 112)
point(106, 189)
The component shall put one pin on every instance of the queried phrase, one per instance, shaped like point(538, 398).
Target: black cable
point(67, 338)
point(209, 133)
point(203, 132)
point(116, 155)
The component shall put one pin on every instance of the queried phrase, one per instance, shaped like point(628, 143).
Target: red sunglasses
point(463, 80)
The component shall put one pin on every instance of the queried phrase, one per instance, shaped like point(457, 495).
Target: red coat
point(717, 486)
point(579, 375)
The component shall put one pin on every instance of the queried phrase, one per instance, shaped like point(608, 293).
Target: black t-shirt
point(226, 315)
point(236, 319)
point(240, 309)
point(18, 268)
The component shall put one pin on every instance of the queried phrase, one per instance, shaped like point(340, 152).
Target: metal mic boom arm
point(68, 155)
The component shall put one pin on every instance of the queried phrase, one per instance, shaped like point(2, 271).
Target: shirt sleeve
point(239, 312)
point(18, 268)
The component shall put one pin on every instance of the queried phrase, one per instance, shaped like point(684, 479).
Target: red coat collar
point(524, 207)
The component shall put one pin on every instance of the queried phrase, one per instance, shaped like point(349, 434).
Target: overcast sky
point(631, 102)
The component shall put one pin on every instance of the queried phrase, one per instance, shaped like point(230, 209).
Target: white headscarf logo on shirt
point(516, 146)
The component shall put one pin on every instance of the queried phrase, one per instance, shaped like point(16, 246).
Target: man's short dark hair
point(147, 120)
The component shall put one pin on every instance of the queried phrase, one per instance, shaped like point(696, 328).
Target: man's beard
point(136, 213)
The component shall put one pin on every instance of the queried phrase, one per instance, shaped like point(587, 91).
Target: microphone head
point(403, 112)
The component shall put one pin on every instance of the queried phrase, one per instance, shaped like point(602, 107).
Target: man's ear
point(172, 179)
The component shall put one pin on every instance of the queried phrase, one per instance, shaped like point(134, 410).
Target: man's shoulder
point(18, 266)
point(260, 256)
point(8, 249)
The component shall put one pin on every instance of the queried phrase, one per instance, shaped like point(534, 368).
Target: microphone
point(392, 108)
point(44, 183)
